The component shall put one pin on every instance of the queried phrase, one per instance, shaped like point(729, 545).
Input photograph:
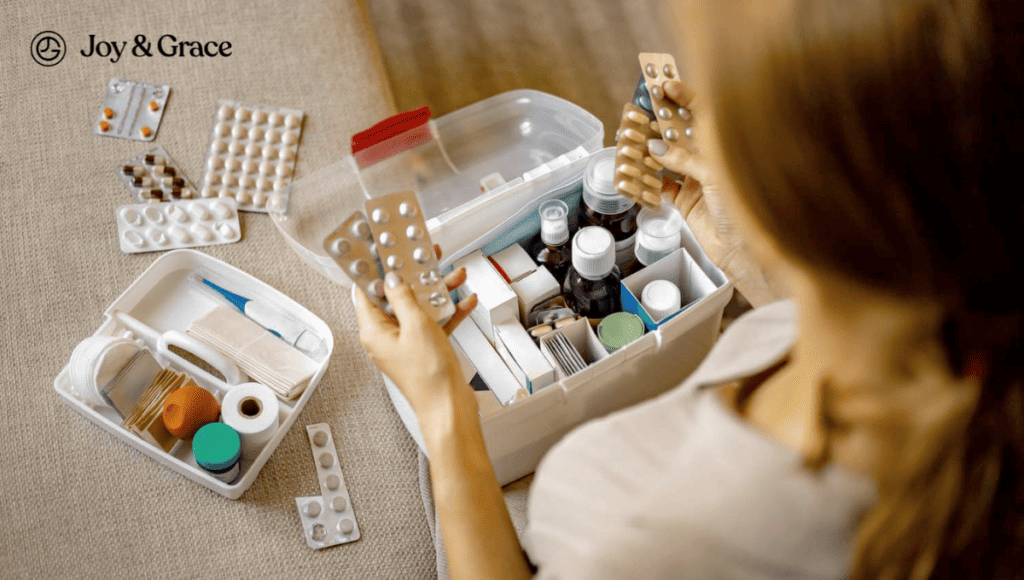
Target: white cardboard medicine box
point(480, 180)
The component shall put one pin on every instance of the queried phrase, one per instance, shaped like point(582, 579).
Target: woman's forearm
point(475, 525)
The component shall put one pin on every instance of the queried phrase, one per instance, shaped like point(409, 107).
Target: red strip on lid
point(389, 128)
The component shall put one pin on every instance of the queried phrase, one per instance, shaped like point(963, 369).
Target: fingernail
point(392, 280)
point(657, 147)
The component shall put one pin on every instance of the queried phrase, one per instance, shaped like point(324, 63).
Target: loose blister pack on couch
point(131, 110)
point(480, 175)
point(208, 409)
point(251, 156)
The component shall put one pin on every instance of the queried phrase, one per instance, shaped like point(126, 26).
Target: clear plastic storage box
point(481, 176)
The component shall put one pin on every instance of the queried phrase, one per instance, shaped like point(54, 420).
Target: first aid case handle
point(231, 373)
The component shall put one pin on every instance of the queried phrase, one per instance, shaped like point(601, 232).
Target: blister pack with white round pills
point(404, 247)
point(193, 223)
point(131, 110)
point(152, 176)
point(251, 157)
point(351, 247)
point(674, 120)
point(327, 519)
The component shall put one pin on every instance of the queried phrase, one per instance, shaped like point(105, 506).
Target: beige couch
point(74, 501)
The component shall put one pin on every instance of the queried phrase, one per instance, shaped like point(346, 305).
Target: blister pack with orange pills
point(637, 175)
point(131, 110)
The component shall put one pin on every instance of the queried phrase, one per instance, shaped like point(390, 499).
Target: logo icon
point(48, 48)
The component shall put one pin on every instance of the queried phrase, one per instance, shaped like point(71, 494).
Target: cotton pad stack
point(264, 357)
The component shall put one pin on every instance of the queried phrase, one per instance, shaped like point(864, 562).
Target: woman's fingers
point(402, 300)
point(376, 329)
point(673, 158)
point(461, 312)
point(679, 93)
point(455, 279)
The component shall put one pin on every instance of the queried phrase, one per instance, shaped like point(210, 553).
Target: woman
point(861, 149)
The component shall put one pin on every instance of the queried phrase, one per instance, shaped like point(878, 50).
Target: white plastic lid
point(599, 185)
point(661, 298)
point(554, 222)
point(593, 252)
point(660, 233)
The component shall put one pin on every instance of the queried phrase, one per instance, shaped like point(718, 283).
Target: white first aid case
point(157, 309)
point(480, 173)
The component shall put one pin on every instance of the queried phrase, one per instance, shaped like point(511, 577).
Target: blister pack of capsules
point(251, 157)
point(327, 519)
point(153, 176)
point(637, 175)
point(151, 227)
point(131, 110)
point(399, 243)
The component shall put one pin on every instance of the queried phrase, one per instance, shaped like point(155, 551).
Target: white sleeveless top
point(681, 487)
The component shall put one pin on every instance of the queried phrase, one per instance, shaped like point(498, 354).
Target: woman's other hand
point(411, 348)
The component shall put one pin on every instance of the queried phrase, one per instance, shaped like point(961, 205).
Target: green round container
point(217, 449)
point(617, 330)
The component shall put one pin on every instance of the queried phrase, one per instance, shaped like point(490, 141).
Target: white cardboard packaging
point(515, 262)
point(535, 288)
point(488, 364)
point(497, 302)
point(515, 346)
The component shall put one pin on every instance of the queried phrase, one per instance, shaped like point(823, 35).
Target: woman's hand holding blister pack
point(412, 349)
point(700, 201)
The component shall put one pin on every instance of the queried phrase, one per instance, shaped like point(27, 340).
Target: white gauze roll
point(252, 410)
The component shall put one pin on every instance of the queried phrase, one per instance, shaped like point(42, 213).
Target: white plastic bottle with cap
point(603, 206)
point(660, 234)
point(661, 298)
point(554, 232)
point(592, 288)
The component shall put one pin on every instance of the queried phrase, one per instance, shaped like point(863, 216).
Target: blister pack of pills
point(404, 247)
point(131, 110)
point(153, 176)
point(192, 223)
point(673, 120)
point(637, 175)
point(327, 519)
point(350, 245)
point(251, 157)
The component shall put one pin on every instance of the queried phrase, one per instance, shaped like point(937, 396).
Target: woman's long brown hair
point(883, 141)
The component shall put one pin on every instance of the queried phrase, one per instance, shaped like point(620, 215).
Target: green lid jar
point(218, 449)
point(617, 330)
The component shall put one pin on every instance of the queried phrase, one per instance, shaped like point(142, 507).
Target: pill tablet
point(312, 509)
point(339, 504)
point(319, 438)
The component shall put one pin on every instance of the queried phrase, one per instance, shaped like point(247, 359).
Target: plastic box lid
point(473, 157)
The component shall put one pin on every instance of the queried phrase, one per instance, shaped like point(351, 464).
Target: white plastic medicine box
point(481, 174)
point(161, 303)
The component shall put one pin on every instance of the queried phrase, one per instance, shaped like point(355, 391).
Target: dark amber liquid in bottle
point(593, 298)
point(557, 259)
point(622, 227)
